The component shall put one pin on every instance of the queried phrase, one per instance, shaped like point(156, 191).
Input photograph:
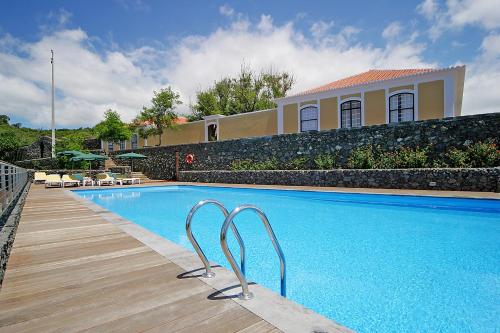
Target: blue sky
point(114, 53)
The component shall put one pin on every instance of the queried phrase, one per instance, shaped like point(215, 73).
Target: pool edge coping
point(280, 312)
point(325, 189)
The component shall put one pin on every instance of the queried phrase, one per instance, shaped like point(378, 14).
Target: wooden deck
point(71, 271)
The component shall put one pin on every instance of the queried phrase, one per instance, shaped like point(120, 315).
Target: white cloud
point(89, 82)
point(482, 77)
point(392, 30)
point(320, 28)
point(485, 13)
point(428, 8)
point(457, 14)
point(226, 10)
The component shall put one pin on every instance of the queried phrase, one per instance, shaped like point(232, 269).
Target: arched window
point(401, 107)
point(350, 114)
point(309, 119)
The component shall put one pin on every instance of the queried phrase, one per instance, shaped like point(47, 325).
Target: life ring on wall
point(189, 158)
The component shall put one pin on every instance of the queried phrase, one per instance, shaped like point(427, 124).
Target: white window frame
point(136, 141)
point(299, 127)
point(388, 95)
point(124, 145)
point(342, 101)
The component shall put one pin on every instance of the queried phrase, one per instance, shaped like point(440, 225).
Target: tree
point(4, 119)
point(245, 93)
point(112, 129)
point(160, 115)
point(8, 143)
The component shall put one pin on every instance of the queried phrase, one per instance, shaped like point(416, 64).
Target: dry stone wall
point(440, 134)
point(478, 180)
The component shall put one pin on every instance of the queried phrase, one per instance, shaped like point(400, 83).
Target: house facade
point(370, 98)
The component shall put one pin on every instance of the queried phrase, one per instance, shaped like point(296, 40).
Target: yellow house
point(370, 98)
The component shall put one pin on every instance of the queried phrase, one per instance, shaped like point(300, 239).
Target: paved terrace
point(71, 270)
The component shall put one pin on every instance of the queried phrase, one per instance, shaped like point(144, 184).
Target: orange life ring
point(189, 158)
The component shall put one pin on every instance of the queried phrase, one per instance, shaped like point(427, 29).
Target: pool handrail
point(208, 268)
point(246, 294)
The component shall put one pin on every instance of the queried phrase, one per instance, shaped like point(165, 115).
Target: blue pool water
point(374, 263)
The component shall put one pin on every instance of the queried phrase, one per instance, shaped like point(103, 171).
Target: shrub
point(386, 160)
point(458, 158)
point(325, 161)
point(246, 164)
point(483, 154)
point(361, 158)
point(299, 163)
point(241, 165)
point(271, 164)
point(476, 155)
point(411, 158)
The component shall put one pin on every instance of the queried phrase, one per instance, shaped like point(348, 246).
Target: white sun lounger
point(39, 177)
point(54, 181)
point(107, 180)
point(68, 181)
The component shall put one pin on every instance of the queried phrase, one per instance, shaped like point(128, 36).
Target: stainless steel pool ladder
point(246, 294)
point(208, 269)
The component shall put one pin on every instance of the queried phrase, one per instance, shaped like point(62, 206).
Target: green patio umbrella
point(88, 157)
point(69, 153)
point(131, 157)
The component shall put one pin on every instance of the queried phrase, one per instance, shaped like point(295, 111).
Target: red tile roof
point(373, 75)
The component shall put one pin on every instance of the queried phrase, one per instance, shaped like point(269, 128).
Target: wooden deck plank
point(71, 271)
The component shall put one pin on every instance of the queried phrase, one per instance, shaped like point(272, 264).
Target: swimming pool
point(374, 263)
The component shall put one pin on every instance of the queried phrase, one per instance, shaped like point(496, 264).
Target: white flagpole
point(53, 114)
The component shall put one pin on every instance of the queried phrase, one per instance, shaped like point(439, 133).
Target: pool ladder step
point(228, 223)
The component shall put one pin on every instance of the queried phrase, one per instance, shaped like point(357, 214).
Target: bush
point(457, 158)
point(368, 157)
point(241, 165)
point(271, 164)
point(325, 162)
point(238, 165)
point(411, 158)
point(299, 163)
point(483, 154)
point(476, 155)
point(387, 160)
point(361, 158)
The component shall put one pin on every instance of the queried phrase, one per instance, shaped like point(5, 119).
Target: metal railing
point(246, 294)
point(12, 182)
point(208, 269)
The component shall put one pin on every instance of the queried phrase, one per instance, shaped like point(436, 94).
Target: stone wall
point(39, 163)
point(480, 180)
point(42, 148)
point(43, 164)
point(440, 134)
point(92, 144)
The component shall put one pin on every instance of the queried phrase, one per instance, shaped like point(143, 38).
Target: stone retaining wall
point(480, 180)
point(440, 134)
